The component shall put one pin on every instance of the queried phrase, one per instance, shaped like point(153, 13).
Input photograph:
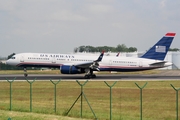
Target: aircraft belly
point(125, 69)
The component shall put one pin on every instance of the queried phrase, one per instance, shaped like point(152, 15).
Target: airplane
point(77, 64)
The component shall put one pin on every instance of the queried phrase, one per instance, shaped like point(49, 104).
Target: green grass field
point(159, 100)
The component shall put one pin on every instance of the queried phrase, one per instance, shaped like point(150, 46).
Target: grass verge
point(14, 115)
point(159, 100)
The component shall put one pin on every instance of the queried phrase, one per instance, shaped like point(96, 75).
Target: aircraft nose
point(9, 62)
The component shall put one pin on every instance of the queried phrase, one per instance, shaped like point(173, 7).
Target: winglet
point(117, 54)
point(100, 57)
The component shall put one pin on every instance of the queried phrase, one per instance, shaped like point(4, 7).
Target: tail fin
point(100, 57)
point(160, 49)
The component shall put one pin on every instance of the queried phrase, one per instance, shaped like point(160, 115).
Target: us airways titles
point(56, 55)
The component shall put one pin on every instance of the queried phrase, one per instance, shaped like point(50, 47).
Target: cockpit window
point(13, 57)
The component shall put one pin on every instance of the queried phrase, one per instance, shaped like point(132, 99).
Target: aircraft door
point(110, 62)
point(53, 60)
point(140, 63)
point(22, 59)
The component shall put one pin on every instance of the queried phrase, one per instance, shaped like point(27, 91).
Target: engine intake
point(67, 69)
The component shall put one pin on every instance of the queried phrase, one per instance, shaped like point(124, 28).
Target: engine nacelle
point(67, 69)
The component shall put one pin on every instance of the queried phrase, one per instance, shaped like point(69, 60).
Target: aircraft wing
point(92, 65)
point(84, 65)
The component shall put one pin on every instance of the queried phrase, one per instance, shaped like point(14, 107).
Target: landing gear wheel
point(90, 76)
point(87, 76)
point(25, 72)
point(93, 76)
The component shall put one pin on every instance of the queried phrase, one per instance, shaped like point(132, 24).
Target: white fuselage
point(108, 63)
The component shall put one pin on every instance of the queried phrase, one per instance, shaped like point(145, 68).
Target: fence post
point(176, 100)
point(30, 83)
point(141, 98)
point(55, 83)
point(110, 97)
point(78, 97)
point(81, 95)
point(10, 82)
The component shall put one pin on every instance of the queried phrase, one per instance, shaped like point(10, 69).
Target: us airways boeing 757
point(77, 64)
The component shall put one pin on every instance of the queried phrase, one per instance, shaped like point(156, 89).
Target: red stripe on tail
point(170, 34)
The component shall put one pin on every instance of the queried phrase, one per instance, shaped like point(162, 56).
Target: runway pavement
point(100, 77)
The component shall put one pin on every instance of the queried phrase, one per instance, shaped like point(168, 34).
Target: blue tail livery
point(160, 49)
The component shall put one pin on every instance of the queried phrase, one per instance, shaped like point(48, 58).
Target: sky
point(58, 26)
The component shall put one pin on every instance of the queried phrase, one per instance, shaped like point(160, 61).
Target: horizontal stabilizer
point(158, 63)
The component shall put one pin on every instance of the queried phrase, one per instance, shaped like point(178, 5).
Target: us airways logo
point(56, 56)
point(161, 49)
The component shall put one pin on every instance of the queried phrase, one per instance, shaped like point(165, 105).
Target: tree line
point(4, 66)
point(118, 48)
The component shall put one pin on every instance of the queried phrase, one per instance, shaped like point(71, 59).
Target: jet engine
point(67, 69)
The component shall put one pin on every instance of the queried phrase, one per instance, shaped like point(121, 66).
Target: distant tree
point(75, 49)
point(119, 48)
point(99, 49)
point(90, 49)
point(122, 48)
point(132, 49)
point(173, 49)
point(4, 66)
point(82, 48)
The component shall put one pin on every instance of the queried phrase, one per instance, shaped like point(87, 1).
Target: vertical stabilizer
point(160, 49)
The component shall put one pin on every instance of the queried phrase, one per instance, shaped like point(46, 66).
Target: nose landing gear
point(25, 72)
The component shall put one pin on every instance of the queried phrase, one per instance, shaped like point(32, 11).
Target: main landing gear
point(25, 72)
point(90, 74)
